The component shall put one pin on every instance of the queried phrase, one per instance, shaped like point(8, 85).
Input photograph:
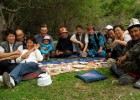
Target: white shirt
point(86, 37)
point(34, 56)
point(126, 37)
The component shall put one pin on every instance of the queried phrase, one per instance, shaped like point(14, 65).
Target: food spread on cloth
point(70, 65)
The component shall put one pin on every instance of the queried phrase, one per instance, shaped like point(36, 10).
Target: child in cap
point(46, 47)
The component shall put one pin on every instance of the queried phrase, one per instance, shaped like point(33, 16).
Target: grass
point(67, 87)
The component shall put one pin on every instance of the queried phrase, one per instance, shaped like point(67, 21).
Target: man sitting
point(20, 36)
point(43, 32)
point(9, 51)
point(80, 41)
point(64, 46)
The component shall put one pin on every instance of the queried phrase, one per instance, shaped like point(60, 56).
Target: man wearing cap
point(107, 39)
point(108, 27)
point(43, 32)
point(80, 41)
point(96, 43)
point(9, 51)
point(127, 68)
point(64, 46)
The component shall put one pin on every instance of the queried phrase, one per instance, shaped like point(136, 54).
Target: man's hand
point(58, 53)
point(121, 60)
point(115, 42)
point(17, 52)
point(99, 51)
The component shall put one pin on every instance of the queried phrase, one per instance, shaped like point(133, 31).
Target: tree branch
point(11, 10)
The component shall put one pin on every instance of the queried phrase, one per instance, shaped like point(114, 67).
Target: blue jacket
point(45, 48)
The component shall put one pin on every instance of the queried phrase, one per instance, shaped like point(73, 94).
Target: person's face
point(11, 38)
point(29, 44)
point(106, 31)
point(63, 35)
point(118, 32)
point(135, 33)
point(111, 34)
point(43, 31)
point(20, 35)
point(79, 31)
point(90, 32)
point(46, 41)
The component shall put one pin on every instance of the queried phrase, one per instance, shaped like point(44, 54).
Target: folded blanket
point(91, 76)
point(33, 74)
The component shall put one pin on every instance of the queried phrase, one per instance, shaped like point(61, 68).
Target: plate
point(79, 66)
point(83, 63)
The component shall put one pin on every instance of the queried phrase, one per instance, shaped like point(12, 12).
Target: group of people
point(20, 54)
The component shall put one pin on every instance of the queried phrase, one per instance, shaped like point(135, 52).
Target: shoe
point(137, 84)
point(126, 79)
point(8, 80)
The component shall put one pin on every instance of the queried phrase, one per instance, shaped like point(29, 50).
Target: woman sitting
point(96, 43)
point(28, 64)
point(122, 37)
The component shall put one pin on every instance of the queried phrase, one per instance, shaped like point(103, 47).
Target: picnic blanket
point(56, 66)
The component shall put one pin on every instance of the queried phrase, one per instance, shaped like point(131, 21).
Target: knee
point(113, 67)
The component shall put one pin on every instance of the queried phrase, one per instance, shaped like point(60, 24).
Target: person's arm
point(133, 52)
point(58, 47)
point(73, 39)
point(123, 43)
point(50, 48)
point(128, 46)
point(24, 55)
point(86, 43)
point(101, 43)
point(126, 38)
point(121, 59)
point(39, 57)
point(100, 49)
point(51, 42)
point(11, 55)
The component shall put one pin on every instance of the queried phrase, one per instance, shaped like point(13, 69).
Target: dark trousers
point(128, 67)
point(6, 66)
point(66, 53)
point(117, 51)
point(118, 72)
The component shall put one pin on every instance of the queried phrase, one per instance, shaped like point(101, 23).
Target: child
point(46, 47)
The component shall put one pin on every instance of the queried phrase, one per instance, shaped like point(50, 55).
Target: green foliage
point(69, 13)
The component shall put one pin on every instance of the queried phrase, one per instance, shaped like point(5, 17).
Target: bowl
point(64, 68)
point(44, 80)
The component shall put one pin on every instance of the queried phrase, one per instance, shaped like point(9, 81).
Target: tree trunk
point(2, 25)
